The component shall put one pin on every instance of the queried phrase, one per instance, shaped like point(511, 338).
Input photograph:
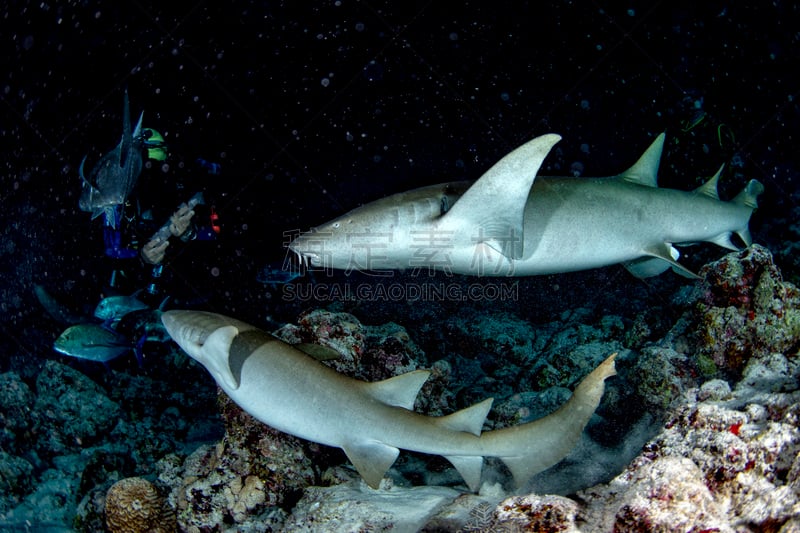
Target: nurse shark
point(511, 223)
point(287, 389)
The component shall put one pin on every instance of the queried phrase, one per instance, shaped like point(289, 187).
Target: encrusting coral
point(135, 505)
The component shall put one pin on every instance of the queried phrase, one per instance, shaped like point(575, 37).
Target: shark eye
point(335, 224)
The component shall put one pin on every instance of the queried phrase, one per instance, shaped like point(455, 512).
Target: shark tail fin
point(749, 195)
point(533, 447)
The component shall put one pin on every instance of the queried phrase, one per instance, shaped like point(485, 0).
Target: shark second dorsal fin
point(399, 391)
point(709, 188)
point(493, 208)
point(470, 419)
point(372, 459)
point(645, 170)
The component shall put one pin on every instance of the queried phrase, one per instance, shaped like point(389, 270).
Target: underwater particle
point(325, 82)
point(215, 272)
point(134, 505)
point(576, 168)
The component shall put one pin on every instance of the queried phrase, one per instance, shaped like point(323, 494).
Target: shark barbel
point(511, 223)
point(288, 390)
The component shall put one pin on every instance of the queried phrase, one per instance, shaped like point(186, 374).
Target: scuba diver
point(131, 302)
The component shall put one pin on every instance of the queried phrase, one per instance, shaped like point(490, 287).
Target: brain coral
point(134, 505)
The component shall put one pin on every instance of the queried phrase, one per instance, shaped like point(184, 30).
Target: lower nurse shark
point(511, 223)
point(289, 390)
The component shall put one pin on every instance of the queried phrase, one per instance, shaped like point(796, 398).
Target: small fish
point(113, 308)
point(274, 274)
point(92, 342)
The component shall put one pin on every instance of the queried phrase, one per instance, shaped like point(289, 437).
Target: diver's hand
point(153, 252)
point(180, 220)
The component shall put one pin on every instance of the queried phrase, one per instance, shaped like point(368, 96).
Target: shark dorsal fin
point(399, 391)
point(494, 206)
point(709, 188)
point(470, 419)
point(215, 353)
point(645, 170)
point(372, 459)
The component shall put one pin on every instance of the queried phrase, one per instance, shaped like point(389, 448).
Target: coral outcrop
point(134, 505)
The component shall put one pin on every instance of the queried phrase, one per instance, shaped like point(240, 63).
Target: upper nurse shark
point(511, 223)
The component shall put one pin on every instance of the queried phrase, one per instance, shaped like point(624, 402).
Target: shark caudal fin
point(530, 448)
point(748, 197)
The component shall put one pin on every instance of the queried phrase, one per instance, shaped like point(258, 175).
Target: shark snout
point(184, 329)
point(303, 248)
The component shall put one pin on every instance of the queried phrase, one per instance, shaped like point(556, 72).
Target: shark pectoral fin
point(645, 170)
point(399, 391)
point(656, 260)
point(470, 468)
point(371, 459)
point(214, 353)
point(470, 419)
point(493, 207)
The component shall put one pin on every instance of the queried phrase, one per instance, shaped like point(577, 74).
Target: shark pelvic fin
point(214, 353)
point(710, 188)
point(470, 419)
point(657, 259)
point(494, 206)
point(371, 459)
point(645, 170)
point(399, 391)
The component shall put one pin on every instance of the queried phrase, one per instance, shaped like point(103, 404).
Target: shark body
point(283, 387)
point(512, 223)
point(113, 177)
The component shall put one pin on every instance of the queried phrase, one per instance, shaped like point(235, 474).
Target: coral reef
point(699, 429)
point(747, 308)
point(134, 505)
